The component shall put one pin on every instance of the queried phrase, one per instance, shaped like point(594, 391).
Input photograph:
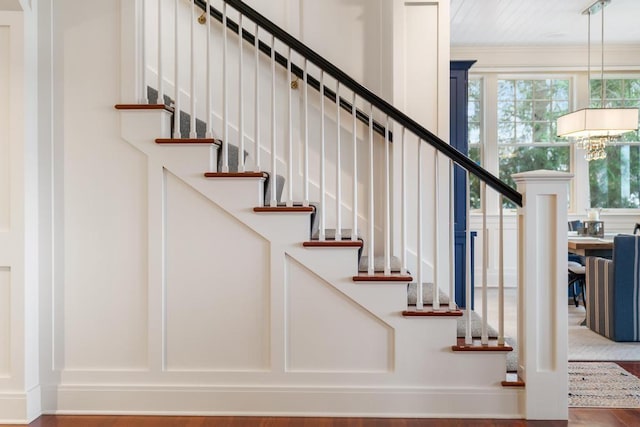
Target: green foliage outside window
point(527, 114)
point(614, 182)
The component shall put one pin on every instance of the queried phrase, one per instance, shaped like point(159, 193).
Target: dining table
point(591, 246)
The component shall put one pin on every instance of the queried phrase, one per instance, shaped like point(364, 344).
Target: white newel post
point(542, 293)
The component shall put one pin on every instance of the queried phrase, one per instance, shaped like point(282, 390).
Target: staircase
point(293, 297)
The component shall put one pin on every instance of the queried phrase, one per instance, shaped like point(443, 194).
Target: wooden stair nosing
point(144, 107)
point(300, 209)
point(332, 244)
point(236, 175)
point(518, 383)
point(432, 313)
point(382, 278)
point(476, 346)
point(207, 141)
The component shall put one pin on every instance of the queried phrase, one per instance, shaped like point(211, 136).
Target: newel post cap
point(542, 175)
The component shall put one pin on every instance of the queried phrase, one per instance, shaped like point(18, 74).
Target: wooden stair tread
point(236, 175)
point(333, 244)
point(294, 208)
point(430, 312)
point(477, 346)
point(513, 380)
point(210, 141)
point(144, 107)
point(381, 277)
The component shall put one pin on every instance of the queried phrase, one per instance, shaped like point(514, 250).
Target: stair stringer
point(425, 378)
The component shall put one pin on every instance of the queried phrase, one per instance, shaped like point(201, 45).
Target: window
point(527, 112)
point(614, 182)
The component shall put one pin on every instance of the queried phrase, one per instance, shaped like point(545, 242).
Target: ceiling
point(541, 22)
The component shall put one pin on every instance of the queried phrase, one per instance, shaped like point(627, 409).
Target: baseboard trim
point(20, 408)
point(409, 402)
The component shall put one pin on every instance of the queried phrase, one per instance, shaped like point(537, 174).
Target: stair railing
point(338, 122)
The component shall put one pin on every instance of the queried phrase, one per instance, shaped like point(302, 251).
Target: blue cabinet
point(458, 82)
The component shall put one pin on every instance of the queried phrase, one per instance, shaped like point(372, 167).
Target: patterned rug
point(602, 385)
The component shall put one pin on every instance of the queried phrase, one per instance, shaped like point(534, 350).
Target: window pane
point(474, 182)
point(506, 90)
point(522, 159)
point(615, 181)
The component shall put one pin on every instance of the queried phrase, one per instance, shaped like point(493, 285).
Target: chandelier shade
point(596, 122)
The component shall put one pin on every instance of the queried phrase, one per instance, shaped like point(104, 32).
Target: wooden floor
point(587, 417)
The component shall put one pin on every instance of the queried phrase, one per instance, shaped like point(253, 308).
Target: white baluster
point(501, 278)
point(144, 99)
point(354, 232)
point(403, 208)
point(256, 100)
point(387, 200)
point(225, 102)
point(192, 94)
point(176, 84)
point(305, 92)
point(420, 275)
point(436, 225)
point(213, 150)
point(209, 132)
point(467, 337)
point(274, 201)
point(338, 167)
point(323, 189)
point(160, 71)
point(485, 266)
point(372, 228)
point(452, 238)
point(241, 98)
point(290, 136)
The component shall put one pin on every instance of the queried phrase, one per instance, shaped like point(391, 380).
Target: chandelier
point(594, 128)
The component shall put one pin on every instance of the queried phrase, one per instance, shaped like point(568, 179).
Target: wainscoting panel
point(5, 322)
point(329, 332)
point(217, 287)
point(5, 80)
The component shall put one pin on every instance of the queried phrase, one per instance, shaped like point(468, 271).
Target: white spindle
point(436, 225)
point(338, 167)
point(452, 238)
point(256, 100)
point(209, 133)
point(372, 228)
point(160, 71)
point(240, 98)
point(419, 261)
point(274, 201)
point(305, 92)
point(176, 84)
point(321, 235)
point(192, 90)
point(354, 232)
point(144, 99)
point(225, 102)
point(387, 200)
point(501, 278)
point(403, 207)
point(467, 337)
point(485, 266)
point(290, 131)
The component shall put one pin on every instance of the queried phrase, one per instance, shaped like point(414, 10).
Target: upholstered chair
point(613, 291)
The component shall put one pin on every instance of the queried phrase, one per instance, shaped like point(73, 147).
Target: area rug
point(586, 345)
point(602, 385)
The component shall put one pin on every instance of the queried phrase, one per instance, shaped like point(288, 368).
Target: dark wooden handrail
point(346, 80)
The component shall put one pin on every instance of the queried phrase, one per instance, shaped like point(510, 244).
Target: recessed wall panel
point(4, 127)
point(5, 321)
point(105, 271)
point(217, 287)
point(329, 332)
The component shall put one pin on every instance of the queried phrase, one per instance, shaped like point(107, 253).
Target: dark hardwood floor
point(587, 417)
